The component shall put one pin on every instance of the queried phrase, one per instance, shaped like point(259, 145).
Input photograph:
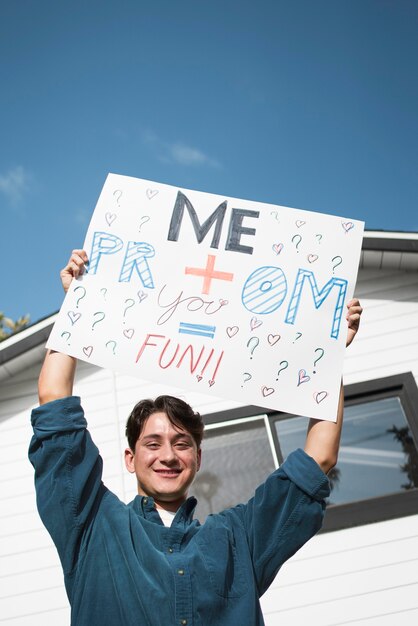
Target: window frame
point(390, 506)
point(370, 510)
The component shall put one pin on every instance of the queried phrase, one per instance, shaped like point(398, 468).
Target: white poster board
point(227, 297)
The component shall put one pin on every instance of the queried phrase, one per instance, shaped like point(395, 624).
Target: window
point(376, 477)
point(236, 459)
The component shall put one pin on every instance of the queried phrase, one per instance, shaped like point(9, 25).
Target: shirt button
point(145, 500)
point(183, 622)
point(180, 572)
point(170, 550)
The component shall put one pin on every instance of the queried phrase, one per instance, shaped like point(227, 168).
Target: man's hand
point(353, 319)
point(74, 268)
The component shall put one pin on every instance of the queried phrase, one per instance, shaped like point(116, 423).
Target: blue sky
point(309, 104)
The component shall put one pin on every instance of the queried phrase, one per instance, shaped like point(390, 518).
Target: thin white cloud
point(185, 155)
point(14, 184)
point(177, 152)
point(82, 216)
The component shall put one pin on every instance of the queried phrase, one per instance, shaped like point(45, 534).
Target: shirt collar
point(145, 507)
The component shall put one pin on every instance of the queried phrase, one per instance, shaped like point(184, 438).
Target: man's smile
point(168, 473)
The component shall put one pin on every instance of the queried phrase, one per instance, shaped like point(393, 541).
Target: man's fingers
point(80, 254)
point(74, 268)
point(354, 320)
point(79, 257)
point(76, 263)
point(354, 308)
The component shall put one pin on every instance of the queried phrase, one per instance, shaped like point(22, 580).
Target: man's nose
point(167, 454)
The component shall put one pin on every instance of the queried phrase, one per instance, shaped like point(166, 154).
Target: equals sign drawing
point(197, 329)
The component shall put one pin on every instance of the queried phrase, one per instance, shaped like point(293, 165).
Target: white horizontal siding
point(387, 342)
point(349, 576)
point(360, 576)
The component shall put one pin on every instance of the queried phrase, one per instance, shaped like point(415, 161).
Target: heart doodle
point(232, 330)
point(277, 248)
point(129, 333)
point(110, 218)
point(88, 350)
point(141, 296)
point(312, 258)
point(199, 378)
point(319, 396)
point(272, 339)
point(347, 226)
point(255, 323)
point(300, 223)
point(267, 391)
point(211, 382)
point(73, 316)
point(151, 193)
point(303, 377)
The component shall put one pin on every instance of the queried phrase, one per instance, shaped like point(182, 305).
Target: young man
point(150, 562)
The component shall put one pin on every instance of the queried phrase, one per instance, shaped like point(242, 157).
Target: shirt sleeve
point(68, 471)
point(285, 512)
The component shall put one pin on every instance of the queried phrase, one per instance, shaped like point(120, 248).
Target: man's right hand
point(74, 268)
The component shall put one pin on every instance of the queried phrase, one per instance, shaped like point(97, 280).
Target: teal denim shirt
point(123, 567)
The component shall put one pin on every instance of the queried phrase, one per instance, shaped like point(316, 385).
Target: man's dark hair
point(178, 412)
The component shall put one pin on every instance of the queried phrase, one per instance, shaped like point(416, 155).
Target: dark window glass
point(235, 460)
point(377, 454)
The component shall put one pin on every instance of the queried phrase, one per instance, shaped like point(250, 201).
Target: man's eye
point(183, 444)
point(152, 445)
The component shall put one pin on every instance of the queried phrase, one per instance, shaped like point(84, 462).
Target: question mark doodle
point(247, 377)
point(117, 194)
point(104, 292)
point(320, 237)
point(285, 365)
point(275, 215)
point(299, 239)
point(69, 336)
point(114, 345)
point(144, 220)
point(252, 344)
point(322, 351)
point(82, 296)
point(130, 305)
point(337, 262)
point(99, 319)
point(298, 336)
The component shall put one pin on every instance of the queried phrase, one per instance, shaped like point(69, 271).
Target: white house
point(361, 569)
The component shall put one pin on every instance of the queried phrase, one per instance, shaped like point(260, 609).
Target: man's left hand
point(353, 319)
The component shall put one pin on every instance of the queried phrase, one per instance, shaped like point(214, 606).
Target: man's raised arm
point(323, 438)
point(57, 375)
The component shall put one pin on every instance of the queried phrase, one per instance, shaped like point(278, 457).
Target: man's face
point(165, 461)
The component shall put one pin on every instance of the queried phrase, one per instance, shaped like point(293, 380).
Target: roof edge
point(390, 244)
point(26, 339)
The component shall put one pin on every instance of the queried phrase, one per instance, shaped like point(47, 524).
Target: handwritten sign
point(227, 297)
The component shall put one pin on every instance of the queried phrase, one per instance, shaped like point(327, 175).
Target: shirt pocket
point(221, 559)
